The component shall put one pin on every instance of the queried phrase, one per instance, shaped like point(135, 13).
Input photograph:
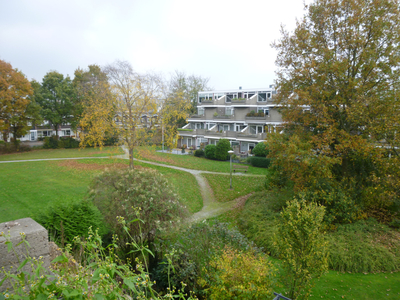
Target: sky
point(225, 41)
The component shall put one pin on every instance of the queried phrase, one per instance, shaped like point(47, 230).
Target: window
point(200, 111)
point(264, 110)
point(229, 111)
point(254, 129)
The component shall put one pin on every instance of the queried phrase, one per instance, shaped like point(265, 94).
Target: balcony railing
point(222, 134)
point(227, 117)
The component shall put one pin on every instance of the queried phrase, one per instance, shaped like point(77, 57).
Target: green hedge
point(209, 151)
point(199, 153)
point(260, 162)
point(221, 151)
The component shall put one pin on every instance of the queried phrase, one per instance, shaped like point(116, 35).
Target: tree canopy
point(339, 88)
point(15, 91)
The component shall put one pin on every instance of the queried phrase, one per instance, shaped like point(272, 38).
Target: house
point(38, 132)
point(243, 116)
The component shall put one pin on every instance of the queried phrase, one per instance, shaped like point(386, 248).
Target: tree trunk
point(131, 158)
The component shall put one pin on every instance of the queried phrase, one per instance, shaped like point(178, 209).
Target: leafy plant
point(209, 151)
point(260, 149)
point(66, 220)
point(301, 246)
point(199, 153)
point(117, 192)
point(236, 274)
point(260, 162)
point(221, 151)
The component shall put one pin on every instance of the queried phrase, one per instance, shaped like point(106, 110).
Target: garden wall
point(37, 237)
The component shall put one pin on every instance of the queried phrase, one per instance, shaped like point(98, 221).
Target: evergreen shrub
point(66, 220)
point(199, 153)
point(221, 151)
point(260, 150)
point(260, 162)
point(209, 151)
point(68, 142)
point(51, 142)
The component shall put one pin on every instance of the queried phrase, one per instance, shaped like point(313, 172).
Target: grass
point(190, 161)
point(29, 187)
point(242, 185)
point(62, 153)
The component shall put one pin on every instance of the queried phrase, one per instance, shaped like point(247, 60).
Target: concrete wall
point(37, 237)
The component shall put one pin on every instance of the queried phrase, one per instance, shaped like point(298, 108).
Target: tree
point(137, 98)
point(222, 148)
point(95, 107)
point(15, 90)
point(56, 97)
point(301, 246)
point(189, 86)
point(339, 87)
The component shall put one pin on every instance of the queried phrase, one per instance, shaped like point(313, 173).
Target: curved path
point(211, 207)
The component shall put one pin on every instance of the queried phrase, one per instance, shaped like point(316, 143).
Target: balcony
point(223, 117)
point(196, 117)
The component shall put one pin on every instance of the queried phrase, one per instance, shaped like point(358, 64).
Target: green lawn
point(190, 161)
point(62, 153)
point(27, 188)
point(242, 185)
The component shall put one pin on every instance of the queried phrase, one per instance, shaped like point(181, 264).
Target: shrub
point(260, 149)
point(240, 275)
point(259, 162)
point(209, 151)
point(66, 220)
point(221, 151)
point(69, 142)
point(365, 246)
point(121, 192)
point(302, 246)
point(51, 142)
point(199, 153)
point(191, 260)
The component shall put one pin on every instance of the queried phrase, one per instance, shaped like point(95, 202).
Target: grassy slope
point(191, 162)
point(242, 185)
point(62, 153)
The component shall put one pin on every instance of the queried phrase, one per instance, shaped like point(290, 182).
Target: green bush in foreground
point(260, 150)
point(66, 220)
point(199, 153)
point(301, 246)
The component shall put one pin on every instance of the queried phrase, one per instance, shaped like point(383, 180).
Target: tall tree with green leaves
point(57, 97)
point(15, 91)
point(339, 87)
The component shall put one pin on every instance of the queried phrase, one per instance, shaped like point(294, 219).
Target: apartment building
point(243, 116)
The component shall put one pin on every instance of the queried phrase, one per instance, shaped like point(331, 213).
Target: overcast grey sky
point(227, 41)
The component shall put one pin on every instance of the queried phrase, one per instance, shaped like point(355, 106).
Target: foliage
point(237, 274)
point(302, 246)
point(69, 142)
point(51, 142)
point(136, 103)
point(56, 96)
point(66, 220)
point(199, 153)
point(260, 162)
point(365, 246)
point(260, 149)
point(339, 85)
point(118, 192)
point(209, 151)
point(101, 275)
point(15, 90)
point(191, 261)
point(95, 109)
point(221, 151)
point(255, 114)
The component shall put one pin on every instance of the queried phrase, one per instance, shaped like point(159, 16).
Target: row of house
point(243, 116)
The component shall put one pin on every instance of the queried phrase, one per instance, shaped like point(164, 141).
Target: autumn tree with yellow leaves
point(339, 90)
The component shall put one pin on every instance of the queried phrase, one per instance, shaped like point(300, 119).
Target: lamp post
point(230, 156)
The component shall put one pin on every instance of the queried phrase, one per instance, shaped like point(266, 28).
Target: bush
point(51, 142)
point(191, 260)
point(209, 151)
point(365, 246)
point(260, 150)
point(302, 246)
point(199, 153)
point(240, 275)
point(259, 162)
point(127, 193)
point(221, 151)
point(66, 220)
point(68, 142)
